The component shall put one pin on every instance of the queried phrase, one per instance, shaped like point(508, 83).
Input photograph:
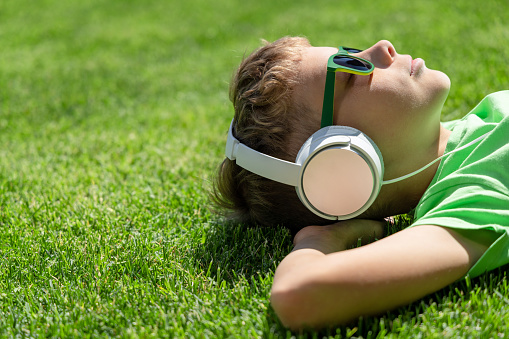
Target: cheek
point(384, 113)
point(373, 107)
point(406, 98)
point(392, 102)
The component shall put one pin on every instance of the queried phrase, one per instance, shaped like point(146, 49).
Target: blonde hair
point(267, 119)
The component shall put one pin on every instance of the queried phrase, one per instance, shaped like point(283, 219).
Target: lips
point(416, 66)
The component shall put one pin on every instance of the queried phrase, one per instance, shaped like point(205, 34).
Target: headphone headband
point(264, 165)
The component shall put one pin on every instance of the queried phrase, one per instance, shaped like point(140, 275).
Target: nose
point(381, 54)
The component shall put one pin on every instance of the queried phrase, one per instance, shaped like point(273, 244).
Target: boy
point(462, 203)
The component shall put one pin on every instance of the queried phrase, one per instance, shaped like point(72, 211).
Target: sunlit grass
point(112, 122)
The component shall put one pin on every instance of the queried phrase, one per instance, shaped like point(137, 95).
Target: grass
point(112, 121)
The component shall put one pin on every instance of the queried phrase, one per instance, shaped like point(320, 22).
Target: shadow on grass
point(230, 250)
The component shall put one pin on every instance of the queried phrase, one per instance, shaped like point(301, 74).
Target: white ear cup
point(341, 172)
point(326, 179)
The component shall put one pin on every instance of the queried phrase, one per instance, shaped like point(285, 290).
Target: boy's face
point(398, 105)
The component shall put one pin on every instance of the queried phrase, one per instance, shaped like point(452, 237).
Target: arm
point(315, 286)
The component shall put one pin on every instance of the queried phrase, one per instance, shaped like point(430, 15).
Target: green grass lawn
point(113, 119)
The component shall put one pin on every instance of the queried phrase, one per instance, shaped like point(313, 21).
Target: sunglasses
point(342, 61)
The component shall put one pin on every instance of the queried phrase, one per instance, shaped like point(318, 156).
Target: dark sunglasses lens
point(352, 50)
point(352, 63)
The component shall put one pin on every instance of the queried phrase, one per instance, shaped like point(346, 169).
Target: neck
point(403, 196)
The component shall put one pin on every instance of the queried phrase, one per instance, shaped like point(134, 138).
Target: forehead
point(313, 70)
point(314, 60)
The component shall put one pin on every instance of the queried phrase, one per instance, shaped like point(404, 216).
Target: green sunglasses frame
point(330, 83)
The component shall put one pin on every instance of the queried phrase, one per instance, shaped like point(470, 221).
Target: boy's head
point(277, 94)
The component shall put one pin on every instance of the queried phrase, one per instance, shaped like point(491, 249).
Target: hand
point(338, 236)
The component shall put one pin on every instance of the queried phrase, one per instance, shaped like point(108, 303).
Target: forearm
point(314, 289)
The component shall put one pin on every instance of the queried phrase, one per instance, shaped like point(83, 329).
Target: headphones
point(338, 171)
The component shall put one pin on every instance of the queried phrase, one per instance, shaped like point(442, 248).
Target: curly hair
point(269, 120)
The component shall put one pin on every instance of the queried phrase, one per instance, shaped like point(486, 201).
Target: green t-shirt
point(470, 188)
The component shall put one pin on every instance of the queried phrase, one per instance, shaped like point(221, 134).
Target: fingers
point(359, 231)
point(307, 232)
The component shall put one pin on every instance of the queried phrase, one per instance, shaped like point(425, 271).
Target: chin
point(442, 81)
point(446, 81)
point(441, 84)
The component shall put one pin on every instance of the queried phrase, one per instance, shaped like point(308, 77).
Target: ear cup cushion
point(337, 181)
